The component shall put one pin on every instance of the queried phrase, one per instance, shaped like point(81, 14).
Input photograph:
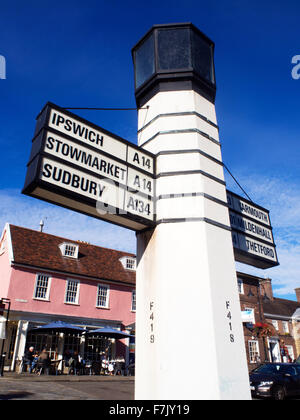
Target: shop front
point(22, 334)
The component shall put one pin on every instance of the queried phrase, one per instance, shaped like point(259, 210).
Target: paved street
point(68, 387)
point(65, 387)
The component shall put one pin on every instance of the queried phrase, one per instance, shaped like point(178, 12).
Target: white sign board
point(252, 235)
point(245, 225)
point(247, 316)
point(247, 208)
point(99, 164)
point(73, 160)
point(88, 134)
point(254, 247)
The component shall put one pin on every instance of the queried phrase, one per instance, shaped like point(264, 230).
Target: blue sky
point(76, 53)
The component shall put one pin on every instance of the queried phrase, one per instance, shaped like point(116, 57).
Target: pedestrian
point(45, 361)
point(257, 358)
point(104, 363)
point(67, 357)
point(34, 362)
point(120, 366)
point(74, 364)
point(28, 358)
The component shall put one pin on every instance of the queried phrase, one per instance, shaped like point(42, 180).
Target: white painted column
point(20, 341)
point(60, 350)
point(189, 337)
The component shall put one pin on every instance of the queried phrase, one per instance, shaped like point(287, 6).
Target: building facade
point(49, 278)
point(279, 313)
point(271, 326)
point(252, 314)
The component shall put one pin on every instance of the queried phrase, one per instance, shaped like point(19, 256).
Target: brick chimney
point(266, 288)
point(297, 291)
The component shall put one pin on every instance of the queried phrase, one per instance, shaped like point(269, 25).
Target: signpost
point(252, 234)
point(81, 166)
point(171, 190)
point(189, 337)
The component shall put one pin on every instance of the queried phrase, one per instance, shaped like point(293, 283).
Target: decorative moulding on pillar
point(174, 57)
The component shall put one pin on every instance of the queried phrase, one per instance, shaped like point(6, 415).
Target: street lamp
point(174, 57)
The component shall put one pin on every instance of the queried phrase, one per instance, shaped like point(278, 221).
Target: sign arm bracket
point(237, 182)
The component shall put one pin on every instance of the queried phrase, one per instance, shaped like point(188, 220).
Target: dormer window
point(129, 263)
point(69, 250)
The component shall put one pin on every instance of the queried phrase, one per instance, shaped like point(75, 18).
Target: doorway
point(274, 351)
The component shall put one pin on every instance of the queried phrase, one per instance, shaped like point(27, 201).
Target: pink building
point(48, 278)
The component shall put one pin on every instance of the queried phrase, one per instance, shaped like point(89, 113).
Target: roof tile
point(40, 249)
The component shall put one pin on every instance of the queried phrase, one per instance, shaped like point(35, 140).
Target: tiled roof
point(280, 307)
point(40, 249)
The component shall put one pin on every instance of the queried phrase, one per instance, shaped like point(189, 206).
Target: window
point(133, 300)
point(253, 351)
point(129, 263)
point(72, 342)
point(144, 61)
point(95, 347)
point(43, 341)
point(42, 287)
point(275, 324)
point(285, 327)
point(69, 250)
point(240, 287)
point(103, 296)
point(72, 292)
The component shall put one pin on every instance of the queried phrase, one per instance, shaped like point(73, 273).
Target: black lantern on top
point(173, 57)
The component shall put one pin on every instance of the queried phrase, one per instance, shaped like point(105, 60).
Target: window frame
point(47, 296)
point(68, 280)
point(250, 342)
point(133, 300)
point(63, 247)
point(130, 261)
point(240, 283)
point(285, 327)
point(124, 261)
point(107, 305)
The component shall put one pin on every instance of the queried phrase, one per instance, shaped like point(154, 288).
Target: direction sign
point(81, 166)
point(252, 235)
point(89, 134)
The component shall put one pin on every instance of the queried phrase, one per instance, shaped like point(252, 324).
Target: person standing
point(28, 358)
point(34, 362)
point(45, 361)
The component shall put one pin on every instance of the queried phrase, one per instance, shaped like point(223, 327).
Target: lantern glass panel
point(144, 61)
point(203, 58)
point(174, 49)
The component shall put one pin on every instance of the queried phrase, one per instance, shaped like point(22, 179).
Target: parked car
point(275, 380)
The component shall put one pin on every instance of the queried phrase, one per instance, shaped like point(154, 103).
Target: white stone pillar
point(189, 337)
point(20, 342)
point(60, 350)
